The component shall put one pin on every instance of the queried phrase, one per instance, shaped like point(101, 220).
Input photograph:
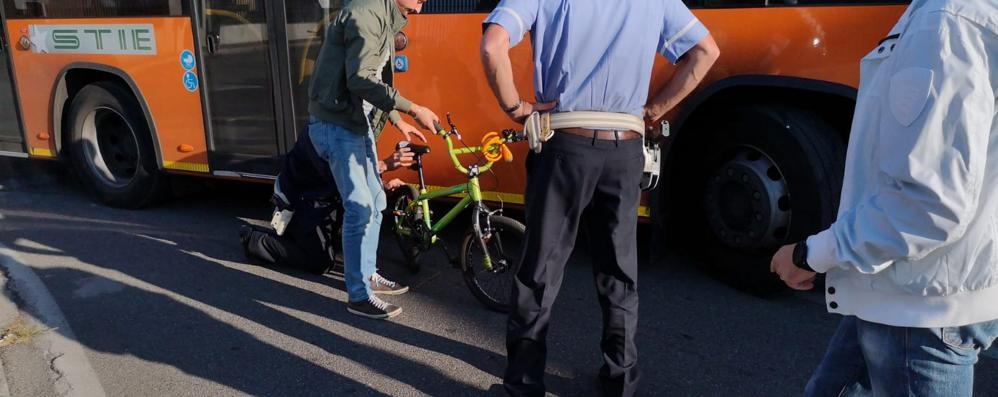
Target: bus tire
point(110, 146)
point(767, 176)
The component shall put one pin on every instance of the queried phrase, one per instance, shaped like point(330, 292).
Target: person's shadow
point(192, 302)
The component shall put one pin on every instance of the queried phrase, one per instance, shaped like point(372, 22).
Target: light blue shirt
point(597, 55)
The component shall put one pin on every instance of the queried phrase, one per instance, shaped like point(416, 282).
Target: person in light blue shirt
point(592, 65)
point(598, 55)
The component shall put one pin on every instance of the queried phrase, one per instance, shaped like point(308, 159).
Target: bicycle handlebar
point(507, 136)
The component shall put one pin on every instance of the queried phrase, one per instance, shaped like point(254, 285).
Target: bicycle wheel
point(504, 239)
point(408, 226)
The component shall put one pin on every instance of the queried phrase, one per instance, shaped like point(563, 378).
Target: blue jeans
point(870, 359)
point(354, 164)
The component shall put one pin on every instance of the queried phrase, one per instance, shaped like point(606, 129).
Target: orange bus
point(131, 91)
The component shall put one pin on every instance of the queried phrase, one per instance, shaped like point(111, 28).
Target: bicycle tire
point(404, 222)
point(505, 239)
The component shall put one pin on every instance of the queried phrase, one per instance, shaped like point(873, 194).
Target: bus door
point(306, 22)
point(245, 95)
point(11, 139)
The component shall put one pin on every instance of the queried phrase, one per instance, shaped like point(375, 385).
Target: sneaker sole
point(393, 292)
point(375, 316)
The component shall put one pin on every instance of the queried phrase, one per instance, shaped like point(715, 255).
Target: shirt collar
point(398, 18)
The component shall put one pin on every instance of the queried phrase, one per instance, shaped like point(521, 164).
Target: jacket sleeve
point(394, 116)
point(364, 41)
point(932, 145)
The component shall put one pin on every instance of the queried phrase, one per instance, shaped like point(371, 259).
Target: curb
point(74, 375)
point(8, 314)
point(4, 390)
point(8, 309)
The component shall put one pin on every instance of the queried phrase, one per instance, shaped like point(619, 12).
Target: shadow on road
point(170, 286)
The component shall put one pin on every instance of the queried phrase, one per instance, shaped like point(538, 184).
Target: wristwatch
point(511, 109)
point(800, 256)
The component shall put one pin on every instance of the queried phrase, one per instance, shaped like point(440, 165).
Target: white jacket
point(916, 239)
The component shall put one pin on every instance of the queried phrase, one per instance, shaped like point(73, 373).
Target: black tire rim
point(505, 245)
point(747, 201)
point(112, 148)
point(408, 230)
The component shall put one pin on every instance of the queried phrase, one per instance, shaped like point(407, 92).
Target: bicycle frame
point(471, 191)
point(485, 261)
point(474, 195)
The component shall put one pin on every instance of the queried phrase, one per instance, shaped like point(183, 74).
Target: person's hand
point(795, 277)
point(401, 157)
point(652, 115)
point(393, 184)
point(526, 108)
point(425, 117)
point(408, 131)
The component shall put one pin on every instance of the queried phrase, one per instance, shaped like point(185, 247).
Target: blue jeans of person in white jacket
point(870, 359)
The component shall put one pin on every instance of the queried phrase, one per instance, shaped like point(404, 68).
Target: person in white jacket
point(912, 259)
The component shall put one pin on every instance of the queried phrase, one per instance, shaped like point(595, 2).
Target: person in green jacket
point(350, 99)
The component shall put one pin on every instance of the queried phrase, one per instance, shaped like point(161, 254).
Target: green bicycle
point(492, 248)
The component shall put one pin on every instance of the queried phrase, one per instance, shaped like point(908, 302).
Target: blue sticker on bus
point(187, 60)
point(190, 81)
point(401, 63)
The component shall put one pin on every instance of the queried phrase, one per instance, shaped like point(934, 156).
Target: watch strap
point(800, 256)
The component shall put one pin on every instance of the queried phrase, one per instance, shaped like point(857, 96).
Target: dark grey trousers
point(571, 177)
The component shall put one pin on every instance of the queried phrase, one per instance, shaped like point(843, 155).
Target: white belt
point(540, 127)
point(596, 121)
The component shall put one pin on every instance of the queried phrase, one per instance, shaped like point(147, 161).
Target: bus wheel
point(111, 147)
point(768, 176)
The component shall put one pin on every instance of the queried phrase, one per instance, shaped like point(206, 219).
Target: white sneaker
point(384, 286)
point(374, 308)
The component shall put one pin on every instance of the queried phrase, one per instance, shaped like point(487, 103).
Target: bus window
point(459, 6)
point(238, 68)
point(765, 3)
point(22, 9)
point(735, 3)
point(306, 26)
point(11, 140)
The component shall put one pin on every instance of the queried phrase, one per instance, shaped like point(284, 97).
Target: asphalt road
point(164, 303)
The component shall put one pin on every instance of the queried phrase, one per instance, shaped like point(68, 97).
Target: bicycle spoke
point(503, 244)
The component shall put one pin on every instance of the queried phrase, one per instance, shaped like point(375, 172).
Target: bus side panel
point(445, 74)
point(172, 100)
point(819, 43)
point(445, 71)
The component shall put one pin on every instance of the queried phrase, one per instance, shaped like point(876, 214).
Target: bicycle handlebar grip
point(506, 154)
point(439, 128)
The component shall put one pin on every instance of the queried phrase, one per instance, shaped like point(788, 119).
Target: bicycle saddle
point(419, 150)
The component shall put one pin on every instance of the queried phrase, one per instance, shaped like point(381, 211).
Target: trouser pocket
point(978, 336)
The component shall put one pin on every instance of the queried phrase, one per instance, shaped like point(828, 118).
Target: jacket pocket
point(979, 265)
point(986, 275)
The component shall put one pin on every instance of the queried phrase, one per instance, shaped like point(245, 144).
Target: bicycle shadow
point(174, 316)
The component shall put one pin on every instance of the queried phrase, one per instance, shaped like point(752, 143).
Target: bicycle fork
point(476, 225)
point(476, 195)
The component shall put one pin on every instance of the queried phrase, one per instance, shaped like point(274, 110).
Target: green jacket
point(352, 68)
